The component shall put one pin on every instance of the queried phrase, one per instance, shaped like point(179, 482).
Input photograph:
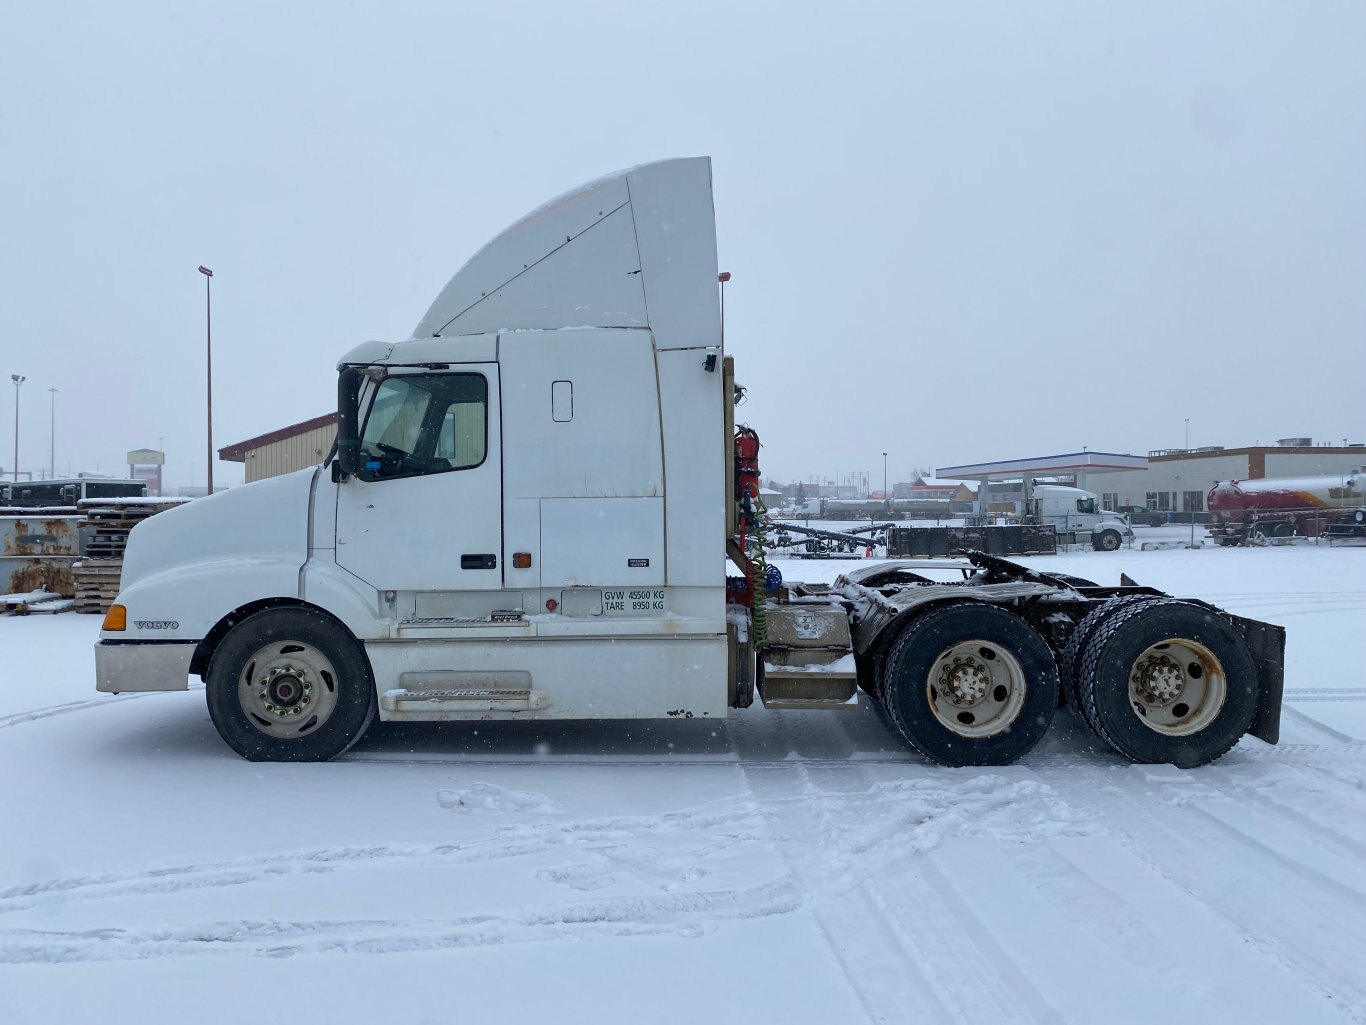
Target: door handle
point(478, 562)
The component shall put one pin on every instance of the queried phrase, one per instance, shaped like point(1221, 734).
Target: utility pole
point(208, 358)
point(52, 437)
point(1187, 455)
point(18, 379)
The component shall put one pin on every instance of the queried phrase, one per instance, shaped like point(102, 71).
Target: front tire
point(970, 684)
point(290, 685)
point(1107, 541)
point(1168, 681)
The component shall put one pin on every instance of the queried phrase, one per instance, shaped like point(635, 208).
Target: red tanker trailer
point(1250, 510)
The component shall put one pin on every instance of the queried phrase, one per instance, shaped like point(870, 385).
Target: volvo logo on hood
point(156, 624)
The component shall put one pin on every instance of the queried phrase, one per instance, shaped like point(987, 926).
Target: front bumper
point(132, 665)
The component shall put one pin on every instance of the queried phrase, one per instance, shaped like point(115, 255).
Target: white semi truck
point(526, 517)
point(1078, 517)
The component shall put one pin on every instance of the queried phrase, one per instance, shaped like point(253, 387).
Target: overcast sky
point(958, 232)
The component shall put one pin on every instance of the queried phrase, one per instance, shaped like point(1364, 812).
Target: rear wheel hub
point(1177, 687)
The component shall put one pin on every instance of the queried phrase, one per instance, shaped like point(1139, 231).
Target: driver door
point(424, 512)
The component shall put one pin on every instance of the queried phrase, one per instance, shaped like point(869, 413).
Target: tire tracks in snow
point(1186, 845)
point(910, 944)
point(18, 718)
point(1325, 694)
point(1305, 722)
point(681, 914)
point(860, 940)
point(720, 827)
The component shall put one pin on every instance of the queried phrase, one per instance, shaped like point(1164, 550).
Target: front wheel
point(1106, 541)
point(970, 684)
point(290, 685)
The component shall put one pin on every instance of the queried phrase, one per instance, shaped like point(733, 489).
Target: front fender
point(183, 603)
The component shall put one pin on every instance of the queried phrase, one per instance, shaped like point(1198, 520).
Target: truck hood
point(268, 518)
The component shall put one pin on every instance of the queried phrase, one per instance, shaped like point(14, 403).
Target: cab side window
point(425, 423)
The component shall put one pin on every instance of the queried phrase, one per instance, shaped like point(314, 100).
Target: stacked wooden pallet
point(105, 527)
point(97, 583)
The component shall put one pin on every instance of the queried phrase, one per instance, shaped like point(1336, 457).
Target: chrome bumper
point(130, 666)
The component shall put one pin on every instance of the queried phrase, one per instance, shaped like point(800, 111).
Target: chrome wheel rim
point(976, 688)
point(288, 689)
point(1177, 687)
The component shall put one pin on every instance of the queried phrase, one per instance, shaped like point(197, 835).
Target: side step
point(808, 659)
point(793, 691)
point(450, 694)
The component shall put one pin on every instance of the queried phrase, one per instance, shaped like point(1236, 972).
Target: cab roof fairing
point(636, 248)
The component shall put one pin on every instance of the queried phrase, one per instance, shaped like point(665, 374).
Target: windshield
point(425, 423)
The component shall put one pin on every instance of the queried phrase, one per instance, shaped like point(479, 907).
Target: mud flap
point(1266, 642)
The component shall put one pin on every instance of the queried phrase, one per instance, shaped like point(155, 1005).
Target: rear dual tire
point(969, 684)
point(1166, 681)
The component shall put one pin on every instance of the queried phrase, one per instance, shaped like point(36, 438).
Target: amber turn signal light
point(521, 560)
point(116, 618)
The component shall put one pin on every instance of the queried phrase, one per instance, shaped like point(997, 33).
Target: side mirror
point(348, 432)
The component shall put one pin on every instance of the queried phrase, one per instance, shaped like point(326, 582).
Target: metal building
point(286, 450)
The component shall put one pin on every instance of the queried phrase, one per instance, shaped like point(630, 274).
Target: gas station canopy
point(1076, 463)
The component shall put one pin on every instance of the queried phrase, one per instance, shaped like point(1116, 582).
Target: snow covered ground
point(777, 867)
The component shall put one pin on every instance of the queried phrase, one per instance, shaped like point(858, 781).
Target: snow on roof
point(237, 453)
point(148, 500)
point(1086, 461)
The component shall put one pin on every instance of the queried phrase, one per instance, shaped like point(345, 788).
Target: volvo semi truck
point(528, 515)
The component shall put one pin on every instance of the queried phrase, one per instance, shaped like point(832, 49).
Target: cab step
point(830, 693)
point(446, 694)
point(808, 659)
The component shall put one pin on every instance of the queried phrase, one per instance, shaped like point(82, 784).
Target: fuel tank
point(1331, 493)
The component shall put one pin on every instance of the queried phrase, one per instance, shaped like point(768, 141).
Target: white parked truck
point(526, 514)
point(1078, 516)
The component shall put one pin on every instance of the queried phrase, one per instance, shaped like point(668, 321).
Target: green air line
point(758, 586)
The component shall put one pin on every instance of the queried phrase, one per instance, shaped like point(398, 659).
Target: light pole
point(208, 359)
point(52, 437)
point(1187, 455)
point(885, 497)
point(18, 379)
